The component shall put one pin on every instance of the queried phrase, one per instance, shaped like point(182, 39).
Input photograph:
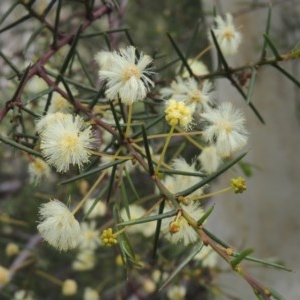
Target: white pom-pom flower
point(228, 37)
point(178, 230)
point(210, 160)
point(187, 90)
point(126, 75)
point(58, 225)
point(66, 142)
point(38, 169)
point(226, 129)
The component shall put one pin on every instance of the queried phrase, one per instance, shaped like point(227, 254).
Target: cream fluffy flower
point(226, 129)
point(66, 141)
point(176, 292)
point(178, 230)
point(178, 183)
point(207, 256)
point(58, 225)
point(126, 75)
point(89, 236)
point(136, 211)
point(99, 208)
point(228, 38)
point(48, 120)
point(210, 160)
point(69, 287)
point(90, 294)
point(85, 260)
point(4, 275)
point(23, 295)
point(38, 169)
point(189, 91)
point(197, 66)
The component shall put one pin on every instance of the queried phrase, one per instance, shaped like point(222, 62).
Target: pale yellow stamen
point(226, 125)
point(69, 141)
point(228, 33)
point(132, 71)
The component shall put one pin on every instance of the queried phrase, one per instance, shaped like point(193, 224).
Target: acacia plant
point(121, 146)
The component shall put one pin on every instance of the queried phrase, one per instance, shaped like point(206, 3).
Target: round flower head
point(90, 294)
point(37, 170)
point(58, 225)
point(179, 230)
point(12, 249)
point(59, 103)
point(188, 91)
point(178, 183)
point(210, 160)
point(67, 142)
point(104, 59)
point(226, 34)
point(207, 256)
point(69, 287)
point(89, 236)
point(176, 292)
point(126, 75)
point(93, 210)
point(84, 261)
point(178, 113)
point(136, 211)
point(226, 129)
point(23, 295)
point(49, 119)
point(4, 276)
point(197, 66)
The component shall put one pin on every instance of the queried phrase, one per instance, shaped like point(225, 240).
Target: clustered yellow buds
point(178, 113)
point(108, 238)
point(238, 184)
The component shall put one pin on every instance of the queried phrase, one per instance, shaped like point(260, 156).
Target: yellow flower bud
point(238, 184)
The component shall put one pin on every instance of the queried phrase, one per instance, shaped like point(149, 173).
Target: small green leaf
point(263, 51)
point(93, 171)
point(221, 57)
point(147, 150)
point(180, 54)
point(57, 23)
point(272, 47)
point(206, 215)
point(19, 146)
point(287, 74)
point(241, 256)
point(246, 168)
point(157, 230)
point(251, 86)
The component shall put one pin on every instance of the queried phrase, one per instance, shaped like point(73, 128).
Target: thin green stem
point(212, 194)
